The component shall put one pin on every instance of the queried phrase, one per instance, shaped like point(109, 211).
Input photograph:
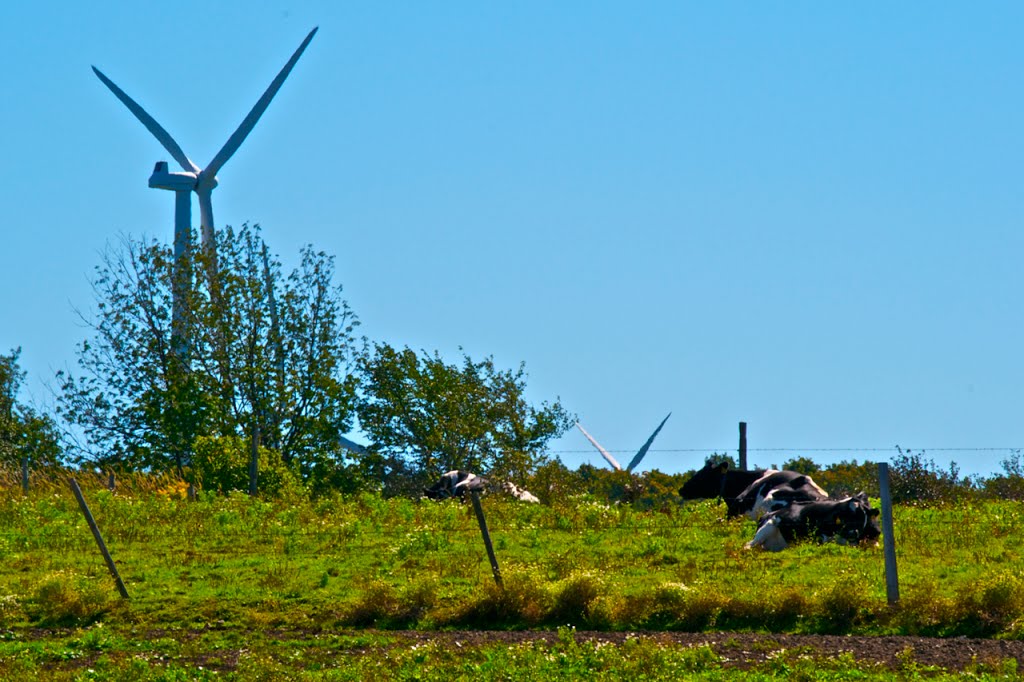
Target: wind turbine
point(202, 181)
point(192, 178)
point(636, 458)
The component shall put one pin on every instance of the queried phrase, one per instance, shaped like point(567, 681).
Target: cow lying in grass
point(850, 520)
point(747, 492)
point(774, 490)
point(458, 483)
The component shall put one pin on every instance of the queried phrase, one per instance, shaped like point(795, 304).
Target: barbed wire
point(734, 449)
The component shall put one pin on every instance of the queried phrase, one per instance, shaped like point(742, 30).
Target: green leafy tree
point(470, 416)
point(265, 356)
point(24, 433)
point(804, 465)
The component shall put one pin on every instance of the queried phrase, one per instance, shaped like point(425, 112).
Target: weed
point(64, 599)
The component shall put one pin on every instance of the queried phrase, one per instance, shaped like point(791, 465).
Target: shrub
point(912, 478)
point(849, 478)
point(66, 600)
point(575, 600)
point(522, 600)
point(1009, 485)
point(222, 464)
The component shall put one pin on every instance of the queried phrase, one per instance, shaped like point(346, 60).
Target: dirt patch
point(743, 650)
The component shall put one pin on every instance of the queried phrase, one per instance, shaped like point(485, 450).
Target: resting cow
point(718, 480)
point(847, 521)
point(773, 490)
point(455, 484)
point(746, 491)
point(458, 483)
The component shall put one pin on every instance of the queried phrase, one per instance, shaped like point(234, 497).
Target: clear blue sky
point(803, 215)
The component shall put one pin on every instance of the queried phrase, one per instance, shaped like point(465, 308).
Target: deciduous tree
point(24, 432)
point(442, 416)
point(267, 356)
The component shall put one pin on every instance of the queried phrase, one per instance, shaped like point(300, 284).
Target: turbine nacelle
point(176, 182)
point(202, 181)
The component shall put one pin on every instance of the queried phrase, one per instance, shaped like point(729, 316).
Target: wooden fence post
point(892, 583)
point(475, 496)
point(111, 482)
point(99, 538)
point(743, 446)
point(24, 475)
point(254, 461)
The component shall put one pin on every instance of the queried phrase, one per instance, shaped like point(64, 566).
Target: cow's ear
point(874, 512)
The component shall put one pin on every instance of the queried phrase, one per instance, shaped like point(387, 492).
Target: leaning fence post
point(99, 538)
point(743, 446)
point(475, 496)
point(892, 583)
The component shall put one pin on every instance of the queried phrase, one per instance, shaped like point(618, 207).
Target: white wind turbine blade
point(151, 125)
point(205, 213)
point(646, 446)
point(236, 139)
point(604, 453)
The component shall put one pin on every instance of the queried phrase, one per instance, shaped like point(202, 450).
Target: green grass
point(95, 654)
point(205, 576)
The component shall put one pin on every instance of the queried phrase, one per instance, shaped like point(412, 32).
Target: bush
point(1009, 485)
point(222, 464)
point(912, 478)
point(848, 478)
point(575, 601)
point(67, 600)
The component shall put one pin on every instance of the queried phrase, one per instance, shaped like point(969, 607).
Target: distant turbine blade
point(236, 139)
point(643, 451)
point(604, 453)
point(151, 125)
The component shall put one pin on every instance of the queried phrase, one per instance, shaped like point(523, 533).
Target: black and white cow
point(774, 490)
point(458, 483)
point(847, 521)
point(455, 484)
point(717, 480)
point(745, 492)
point(517, 493)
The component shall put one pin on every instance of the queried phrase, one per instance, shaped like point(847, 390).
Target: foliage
point(442, 417)
point(24, 433)
point(1010, 484)
point(332, 562)
point(287, 577)
point(254, 353)
point(64, 599)
point(222, 464)
point(803, 465)
point(848, 478)
point(915, 479)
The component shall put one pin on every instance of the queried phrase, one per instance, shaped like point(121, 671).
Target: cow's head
point(856, 521)
point(706, 482)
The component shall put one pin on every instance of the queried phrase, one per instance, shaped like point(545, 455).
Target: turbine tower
point(192, 178)
point(636, 458)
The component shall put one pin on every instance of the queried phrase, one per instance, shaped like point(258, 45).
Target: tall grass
point(236, 561)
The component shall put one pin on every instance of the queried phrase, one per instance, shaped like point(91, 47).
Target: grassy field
point(223, 573)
